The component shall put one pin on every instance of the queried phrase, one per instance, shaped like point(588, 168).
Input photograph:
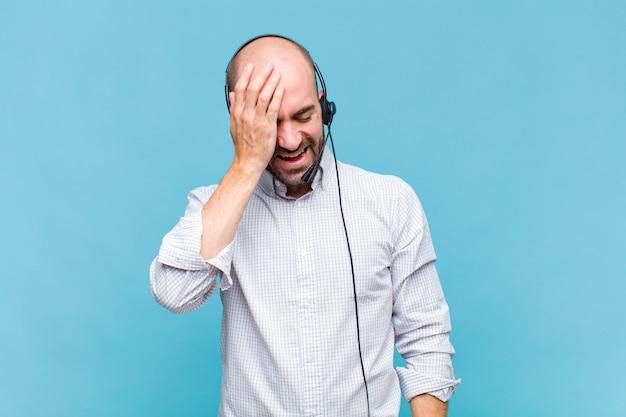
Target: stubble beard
point(293, 177)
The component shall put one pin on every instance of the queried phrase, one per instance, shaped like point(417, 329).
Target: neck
point(298, 191)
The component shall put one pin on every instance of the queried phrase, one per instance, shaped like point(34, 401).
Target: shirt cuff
point(414, 383)
point(446, 393)
point(222, 262)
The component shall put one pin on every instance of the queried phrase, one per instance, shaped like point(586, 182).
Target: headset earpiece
point(328, 110)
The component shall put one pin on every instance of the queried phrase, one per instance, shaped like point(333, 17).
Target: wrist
point(248, 167)
point(243, 176)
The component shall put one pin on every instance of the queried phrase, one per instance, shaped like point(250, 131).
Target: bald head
point(281, 52)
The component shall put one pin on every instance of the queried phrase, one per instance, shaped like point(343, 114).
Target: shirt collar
point(272, 187)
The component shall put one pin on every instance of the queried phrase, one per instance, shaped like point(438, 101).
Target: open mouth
point(295, 157)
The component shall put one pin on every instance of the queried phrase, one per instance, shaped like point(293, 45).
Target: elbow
point(166, 300)
point(171, 289)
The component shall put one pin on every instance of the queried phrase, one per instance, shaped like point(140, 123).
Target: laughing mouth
point(291, 158)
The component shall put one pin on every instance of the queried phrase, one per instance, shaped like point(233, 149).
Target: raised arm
point(253, 115)
point(180, 278)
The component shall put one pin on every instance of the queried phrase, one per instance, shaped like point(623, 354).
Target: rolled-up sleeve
point(180, 279)
point(420, 312)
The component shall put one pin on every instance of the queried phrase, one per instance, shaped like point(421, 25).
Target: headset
point(328, 111)
point(328, 107)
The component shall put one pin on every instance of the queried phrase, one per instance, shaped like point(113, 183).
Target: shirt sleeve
point(420, 312)
point(180, 279)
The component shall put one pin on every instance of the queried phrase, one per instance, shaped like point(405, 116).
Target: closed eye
point(304, 114)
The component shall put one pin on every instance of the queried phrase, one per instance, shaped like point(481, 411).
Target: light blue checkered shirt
point(289, 339)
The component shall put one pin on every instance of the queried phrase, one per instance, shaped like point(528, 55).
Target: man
point(311, 311)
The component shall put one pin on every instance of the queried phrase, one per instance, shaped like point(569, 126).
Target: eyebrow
point(300, 112)
point(304, 110)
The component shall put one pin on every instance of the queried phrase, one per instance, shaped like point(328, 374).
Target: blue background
point(507, 117)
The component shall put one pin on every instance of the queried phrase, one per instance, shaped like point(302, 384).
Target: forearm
point(425, 405)
point(254, 106)
point(222, 213)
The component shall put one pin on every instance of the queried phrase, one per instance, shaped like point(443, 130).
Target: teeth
point(287, 158)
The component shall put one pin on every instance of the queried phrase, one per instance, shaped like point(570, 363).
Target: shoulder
point(200, 195)
point(374, 185)
point(388, 195)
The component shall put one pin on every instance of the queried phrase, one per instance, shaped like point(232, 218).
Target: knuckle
point(253, 89)
point(265, 97)
point(247, 119)
point(240, 86)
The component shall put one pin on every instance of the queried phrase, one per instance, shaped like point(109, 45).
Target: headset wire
point(356, 305)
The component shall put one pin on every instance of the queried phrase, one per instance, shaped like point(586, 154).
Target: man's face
point(300, 131)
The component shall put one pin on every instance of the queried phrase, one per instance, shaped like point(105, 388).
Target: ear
point(320, 94)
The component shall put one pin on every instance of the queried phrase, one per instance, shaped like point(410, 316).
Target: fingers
point(254, 91)
point(274, 105)
point(238, 99)
point(255, 87)
point(254, 108)
point(266, 96)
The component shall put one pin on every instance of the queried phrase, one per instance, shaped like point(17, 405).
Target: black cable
point(356, 305)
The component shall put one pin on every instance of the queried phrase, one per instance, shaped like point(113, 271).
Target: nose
point(288, 137)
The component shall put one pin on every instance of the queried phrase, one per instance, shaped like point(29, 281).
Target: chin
point(291, 179)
